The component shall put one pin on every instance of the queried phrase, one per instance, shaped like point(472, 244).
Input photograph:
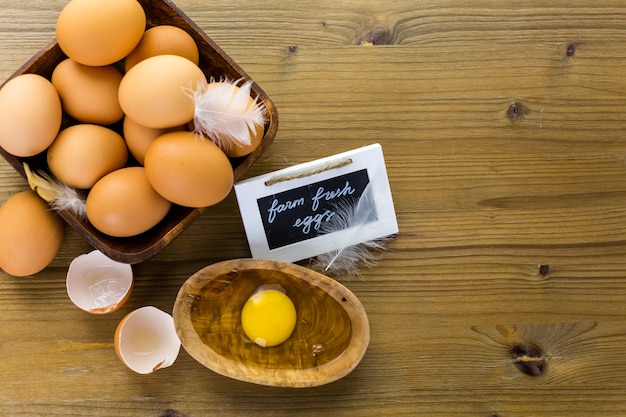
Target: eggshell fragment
point(31, 234)
point(163, 40)
point(84, 153)
point(155, 92)
point(188, 169)
point(145, 340)
point(30, 115)
point(98, 284)
point(100, 32)
point(89, 94)
point(123, 203)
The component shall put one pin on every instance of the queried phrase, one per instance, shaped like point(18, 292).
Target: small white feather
point(68, 199)
point(59, 195)
point(354, 251)
point(223, 112)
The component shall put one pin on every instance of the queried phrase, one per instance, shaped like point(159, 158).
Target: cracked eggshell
point(98, 284)
point(146, 340)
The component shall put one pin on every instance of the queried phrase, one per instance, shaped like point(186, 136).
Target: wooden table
point(504, 133)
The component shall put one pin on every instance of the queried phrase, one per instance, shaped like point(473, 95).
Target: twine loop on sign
point(308, 173)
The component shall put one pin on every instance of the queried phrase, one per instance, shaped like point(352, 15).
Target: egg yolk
point(268, 318)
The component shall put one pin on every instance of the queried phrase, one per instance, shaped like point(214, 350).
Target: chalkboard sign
point(286, 213)
point(299, 214)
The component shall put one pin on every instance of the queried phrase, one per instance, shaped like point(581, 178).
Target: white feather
point(59, 195)
point(68, 199)
point(223, 112)
point(354, 249)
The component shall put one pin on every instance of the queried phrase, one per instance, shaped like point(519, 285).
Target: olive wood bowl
point(329, 340)
point(215, 63)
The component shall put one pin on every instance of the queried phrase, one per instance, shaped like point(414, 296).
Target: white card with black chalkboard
point(284, 212)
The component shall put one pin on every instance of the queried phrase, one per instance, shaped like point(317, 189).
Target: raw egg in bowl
point(226, 313)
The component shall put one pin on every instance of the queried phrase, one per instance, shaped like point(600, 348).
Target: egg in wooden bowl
point(329, 339)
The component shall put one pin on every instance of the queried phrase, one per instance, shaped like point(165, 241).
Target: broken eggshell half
point(146, 340)
point(98, 284)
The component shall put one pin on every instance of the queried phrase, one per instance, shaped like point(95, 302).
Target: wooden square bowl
point(215, 63)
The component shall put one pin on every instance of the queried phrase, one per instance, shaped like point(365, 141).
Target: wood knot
point(376, 36)
point(528, 359)
point(544, 270)
point(293, 49)
point(516, 111)
point(172, 413)
point(571, 50)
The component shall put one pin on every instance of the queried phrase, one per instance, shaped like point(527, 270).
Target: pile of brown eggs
point(117, 73)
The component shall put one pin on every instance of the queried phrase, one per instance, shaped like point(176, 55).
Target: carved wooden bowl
point(215, 63)
point(329, 340)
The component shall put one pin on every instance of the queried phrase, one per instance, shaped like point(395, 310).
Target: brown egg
point(163, 40)
point(123, 203)
point(155, 92)
point(188, 169)
point(84, 153)
point(31, 234)
point(237, 150)
point(100, 32)
point(30, 115)
point(139, 137)
point(89, 94)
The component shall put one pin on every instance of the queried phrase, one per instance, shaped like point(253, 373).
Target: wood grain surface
point(504, 294)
